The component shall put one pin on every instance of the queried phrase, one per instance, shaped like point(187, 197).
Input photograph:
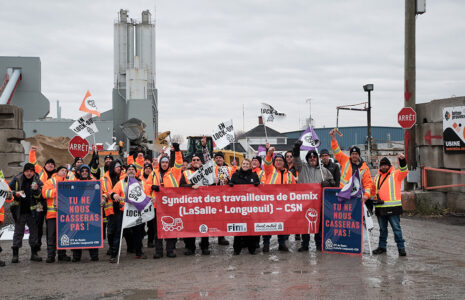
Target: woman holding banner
point(245, 176)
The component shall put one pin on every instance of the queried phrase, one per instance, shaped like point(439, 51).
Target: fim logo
point(203, 228)
point(328, 244)
point(237, 227)
point(64, 240)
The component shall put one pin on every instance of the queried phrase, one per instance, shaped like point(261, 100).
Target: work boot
point(50, 259)
point(206, 251)
point(283, 248)
point(379, 250)
point(302, 249)
point(222, 241)
point(15, 258)
point(141, 256)
point(170, 254)
point(402, 252)
point(150, 244)
point(113, 260)
point(157, 255)
point(64, 258)
point(266, 248)
point(35, 257)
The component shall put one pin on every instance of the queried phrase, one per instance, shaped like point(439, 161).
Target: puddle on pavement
point(269, 272)
point(300, 272)
point(273, 258)
point(133, 294)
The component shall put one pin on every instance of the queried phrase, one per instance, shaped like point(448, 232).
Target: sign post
point(78, 147)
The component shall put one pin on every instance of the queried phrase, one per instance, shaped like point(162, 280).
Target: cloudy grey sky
point(214, 56)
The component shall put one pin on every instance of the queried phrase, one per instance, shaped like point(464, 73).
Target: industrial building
point(134, 95)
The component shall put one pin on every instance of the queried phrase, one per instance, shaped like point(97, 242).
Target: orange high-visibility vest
point(390, 186)
point(273, 176)
point(107, 187)
point(346, 170)
point(261, 174)
point(49, 192)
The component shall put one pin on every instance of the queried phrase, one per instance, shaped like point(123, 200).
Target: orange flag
point(88, 105)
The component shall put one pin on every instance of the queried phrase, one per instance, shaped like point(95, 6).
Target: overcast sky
point(214, 56)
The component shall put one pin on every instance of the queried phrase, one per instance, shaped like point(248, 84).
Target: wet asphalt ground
point(433, 269)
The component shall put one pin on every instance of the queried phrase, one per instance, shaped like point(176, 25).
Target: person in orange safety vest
point(387, 186)
point(349, 164)
point(49, 193)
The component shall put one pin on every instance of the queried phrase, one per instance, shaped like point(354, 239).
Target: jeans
point(383, 230)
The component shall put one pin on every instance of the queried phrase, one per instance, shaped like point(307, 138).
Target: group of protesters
point(33, 194)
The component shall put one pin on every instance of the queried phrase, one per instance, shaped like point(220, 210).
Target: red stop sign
point(78, 147)
point(407, 117)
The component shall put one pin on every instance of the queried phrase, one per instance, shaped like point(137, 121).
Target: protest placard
point(84, 126)
point(205, 175)
point(79, 215)
point(223, 135)
point(342, 223)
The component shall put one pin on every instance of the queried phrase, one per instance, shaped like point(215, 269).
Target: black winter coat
point(245, 177)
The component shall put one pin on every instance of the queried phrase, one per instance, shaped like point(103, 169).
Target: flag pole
point(264, 126)
point(321, 165)
point(121, 236)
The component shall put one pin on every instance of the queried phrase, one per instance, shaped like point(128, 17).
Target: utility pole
point(409, 79)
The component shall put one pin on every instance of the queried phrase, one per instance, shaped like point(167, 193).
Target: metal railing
point(424, 180)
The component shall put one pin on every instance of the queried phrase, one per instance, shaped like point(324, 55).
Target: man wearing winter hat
point(325, 158)
point(74, 173)
point(276, 173)
point(26, 188)
point(49, 193)
point(311, 172)
point(350, 164)
point(387, 186)
point(257, 168)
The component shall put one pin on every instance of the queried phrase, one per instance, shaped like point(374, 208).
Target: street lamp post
point(369, 88)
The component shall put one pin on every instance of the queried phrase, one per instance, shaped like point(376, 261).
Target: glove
point(231, 184)
point(155, 188)
point(94, 161)
point(176, 147)
point(296, 149)
point(256, 183)
point(325, 183)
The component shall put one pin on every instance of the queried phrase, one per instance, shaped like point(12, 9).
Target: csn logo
point(203, 228)
point(237, 227)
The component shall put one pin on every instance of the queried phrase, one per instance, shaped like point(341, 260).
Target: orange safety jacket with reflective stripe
point(38, 169)
point(2, 209)
point(260, 174)
point(49, 192)
point(139, 163)
point(390, 186)
point(107, 187)
point(186, 175)
point(346, 169)
point(170, 178)
point(273, 176)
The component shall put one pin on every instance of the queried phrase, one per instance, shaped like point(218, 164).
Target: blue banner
point(79, 219)
point(342, 224)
